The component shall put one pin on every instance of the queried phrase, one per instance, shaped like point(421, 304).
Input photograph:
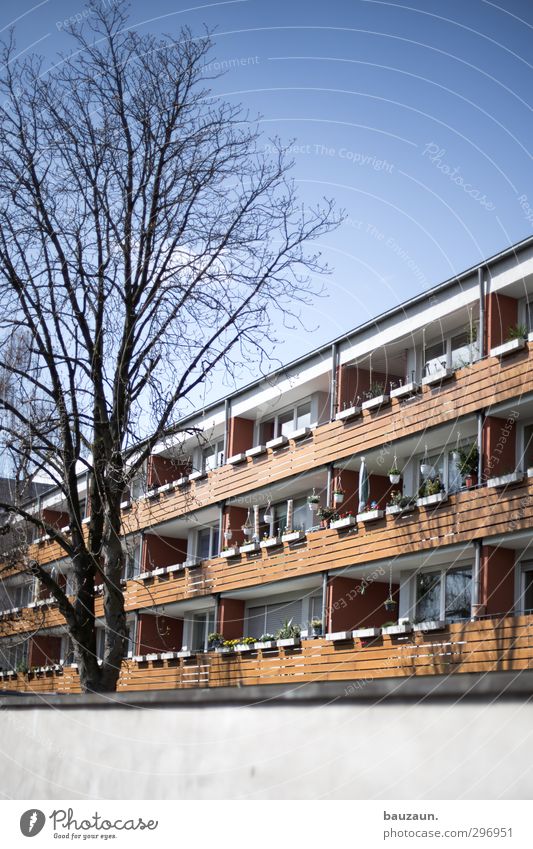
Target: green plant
point(266, 638)
point(316, 623)
point(375, 390)
point(288, 631)
point(432, 486)
point(394, 470)
point(518, 331)
point(215, 640)
point(313, 499)
point(247, 641)
point(327, 514)
point(23, 668)
point(399, 500)
point(469, 459)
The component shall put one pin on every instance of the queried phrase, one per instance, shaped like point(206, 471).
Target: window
point(529, 315)
point(16, 592)
point(13, 652)
point(207, 543)
point(435, 357)
point(269, 618)
point(285, 422)
point(132, 565)
point(445, 594)
point(203, 624)
point(212, 456)
point(445, 466)
point(527, 449)
point(302, 518)
point(455, 351)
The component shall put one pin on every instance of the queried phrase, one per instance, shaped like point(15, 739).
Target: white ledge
point(507, 348)
point(185, 653)
point(167, 487)
point(407, 389)
point(404, 628)
point(348, 413)
point(365, 633)
point(429, 500)
point(437, 377)
point(249, 547)
point(505, 480)
point(293, 536)
point(339, 636)
point(272, 542)
point(256, 451)
point(338, 524)
point(278, 442)
point(197, 476)
point(370, 516)
point(290, 642)
point(300, 433)
point(177, 567)
point(236, 459)
point(230, 552)
point(433, 625)
point(182, 481)
point(375, 403)
point(396, 510)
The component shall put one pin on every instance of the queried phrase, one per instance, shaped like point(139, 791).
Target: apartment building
point(364, 512)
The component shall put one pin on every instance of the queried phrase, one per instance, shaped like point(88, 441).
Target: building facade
point(364, 512)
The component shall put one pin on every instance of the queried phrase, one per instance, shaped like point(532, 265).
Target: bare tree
point(147, 242)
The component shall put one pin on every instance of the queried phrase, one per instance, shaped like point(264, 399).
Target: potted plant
point(326, 514)
point(316, 625)
point(390, 604)
point(214, 641)
point(288, 634)
point(518, 331)
point(468, 463)
point(394, 474)
point(313, 502)
point(338, 496)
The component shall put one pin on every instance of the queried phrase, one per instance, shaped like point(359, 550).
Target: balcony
point(476, 387)
point(485, 645)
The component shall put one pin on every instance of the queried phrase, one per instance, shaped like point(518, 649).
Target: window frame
point(442, 571)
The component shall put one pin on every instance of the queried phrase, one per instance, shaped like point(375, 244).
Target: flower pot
point(426, 469)
point(394, 478)
point(338, 497)
point(469, 481)
point(389, 604)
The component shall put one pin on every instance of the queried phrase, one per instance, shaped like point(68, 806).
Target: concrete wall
point(448, 739)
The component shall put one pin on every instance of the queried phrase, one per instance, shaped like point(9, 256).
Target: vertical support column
point(481, 333)
point(480, 420)
point(217, 612)
point(333, 382)
point(227, 413)
point(476, 579)
point(329, 493)
point(221, 525)
point(325, 576)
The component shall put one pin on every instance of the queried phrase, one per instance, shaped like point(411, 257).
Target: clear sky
point(416, 116)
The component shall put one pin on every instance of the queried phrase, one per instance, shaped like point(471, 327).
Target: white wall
point(345, 749)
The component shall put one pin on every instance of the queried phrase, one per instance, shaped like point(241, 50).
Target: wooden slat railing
point(475, 646)
point(484, 384)
point(472, 514)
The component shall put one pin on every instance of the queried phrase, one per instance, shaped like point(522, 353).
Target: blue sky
point(416, 118)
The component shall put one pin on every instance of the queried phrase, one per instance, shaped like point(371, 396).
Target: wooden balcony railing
point(480, 513)
point(488, 645)
point(482, 385)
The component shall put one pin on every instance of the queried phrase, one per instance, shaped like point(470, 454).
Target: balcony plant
point(266, 638)
point(316, 625)
point(215, 641)
point(402, 501)
point(313, 502)
point(338, 496)
point(375, 390)
point(327, 514)
point(518, 331)
point(288, 631)
point(468, 463)
point(390, 604)
point(394, 474)
point(431, 486)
